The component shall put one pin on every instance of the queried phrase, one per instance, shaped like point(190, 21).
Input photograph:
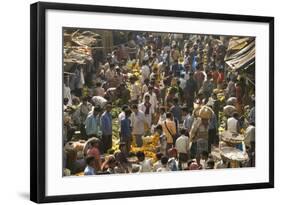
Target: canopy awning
point(240, 53)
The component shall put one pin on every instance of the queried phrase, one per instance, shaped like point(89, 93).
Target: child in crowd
point(91, 166)
point(157, 164)
point(204, 156)
point(94, 151)
point(145, 164)
point(162, 140)
point(173, 159)
point(164, 165)
point(192, 165)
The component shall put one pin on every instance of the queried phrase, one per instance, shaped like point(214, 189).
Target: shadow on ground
point(24, 195)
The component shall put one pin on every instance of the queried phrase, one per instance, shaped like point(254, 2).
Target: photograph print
point(140, 101)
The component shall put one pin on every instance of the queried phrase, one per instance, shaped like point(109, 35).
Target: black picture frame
point(38, 100)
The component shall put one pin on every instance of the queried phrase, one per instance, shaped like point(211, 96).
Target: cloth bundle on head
point(229, 110)
point(75, 145)
point(99, 101)
point(217, 91)
point(231, 101)
point(206, 112)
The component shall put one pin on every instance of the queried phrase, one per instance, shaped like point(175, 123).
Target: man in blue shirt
point(176, 69)
point(176, 110)
point(92, 123)
point(126, 131)
point(106, 128)
point(190, 90)
point(188, 118)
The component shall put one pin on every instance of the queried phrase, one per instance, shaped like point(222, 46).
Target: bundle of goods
point(217, 91)
point(216, 153)
point(98, 100)
point(88, 144)
point(77, 54)
point(232, 138)
point(231, 101)
point(229, 110)
point(233, 154)
point(76, 146)
point(78, 47)
point(85, 38)
point(205, 112)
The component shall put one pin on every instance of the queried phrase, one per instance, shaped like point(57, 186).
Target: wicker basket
point(233, 154)
point(231, 138)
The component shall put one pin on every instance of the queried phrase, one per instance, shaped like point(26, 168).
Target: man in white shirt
point(145, 72)
point(233, 123)
point(182, 146)
point(109, 73)
point(250, 135)
point(250, 143)
point(138, 122)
